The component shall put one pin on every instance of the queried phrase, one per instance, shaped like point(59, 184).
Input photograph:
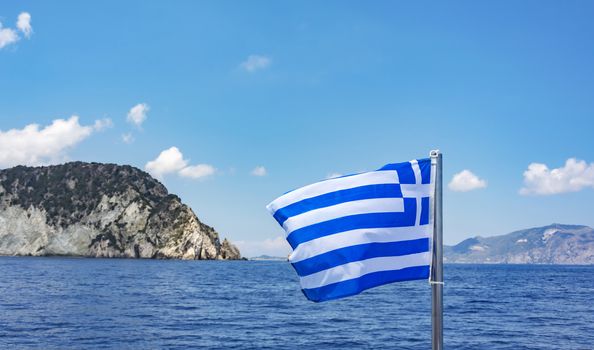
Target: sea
point(77, 303)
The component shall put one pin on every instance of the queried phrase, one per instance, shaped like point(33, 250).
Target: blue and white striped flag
point(357, 232)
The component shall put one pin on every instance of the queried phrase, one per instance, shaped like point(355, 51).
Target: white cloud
point(35, 145)
point(169, 161)
point(259, 171)
point(197, 171)
point(333, 175)
point(574, 176)
point(102, 124)
point(172, 161)
point(465, 181)
point(255, 62)
point(128, 138)
point(137, 114)
point(10, 36)
point(271, 246)
point(24, 24)
point(7, 36)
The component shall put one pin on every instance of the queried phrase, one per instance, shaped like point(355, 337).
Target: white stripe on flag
point(332, 185)
point(418, 180)
point(364, 206)
point(325, 244)
point(359, 268)
point(420, 190)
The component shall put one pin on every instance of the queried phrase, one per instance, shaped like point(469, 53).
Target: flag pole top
point(434, 153)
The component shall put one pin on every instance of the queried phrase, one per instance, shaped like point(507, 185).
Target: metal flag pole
point(436, 279)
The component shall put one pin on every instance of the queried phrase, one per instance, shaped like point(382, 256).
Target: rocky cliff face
point(553, 244)
point(100, 210)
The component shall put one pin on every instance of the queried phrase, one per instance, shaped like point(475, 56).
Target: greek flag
point(361, 231)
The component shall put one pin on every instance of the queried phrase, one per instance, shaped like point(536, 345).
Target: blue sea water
point(69, 303)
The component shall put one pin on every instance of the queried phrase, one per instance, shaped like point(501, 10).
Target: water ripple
point(62, 303)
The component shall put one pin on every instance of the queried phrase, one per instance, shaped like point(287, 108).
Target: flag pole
point(436, 279)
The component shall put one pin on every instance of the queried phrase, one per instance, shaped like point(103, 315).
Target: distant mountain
point(268, 258)
point(100, 210)
point(553, 244)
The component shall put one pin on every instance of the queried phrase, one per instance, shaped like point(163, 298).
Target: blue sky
point(331, 87)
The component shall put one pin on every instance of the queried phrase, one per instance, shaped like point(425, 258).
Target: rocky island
point(100, 210)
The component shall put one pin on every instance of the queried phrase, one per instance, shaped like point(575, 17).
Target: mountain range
point(552, 244)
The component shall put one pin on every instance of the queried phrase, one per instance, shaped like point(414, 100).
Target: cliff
point(553, 244)
point(100, 210)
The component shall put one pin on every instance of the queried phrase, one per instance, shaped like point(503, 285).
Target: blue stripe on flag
point(353, 222)
point(424, 211)
point(357, 285)
point(425, 166)
point(337, 197)
point(406, 174)
point(359, 252)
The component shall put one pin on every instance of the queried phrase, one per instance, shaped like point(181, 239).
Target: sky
point(232, 103)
